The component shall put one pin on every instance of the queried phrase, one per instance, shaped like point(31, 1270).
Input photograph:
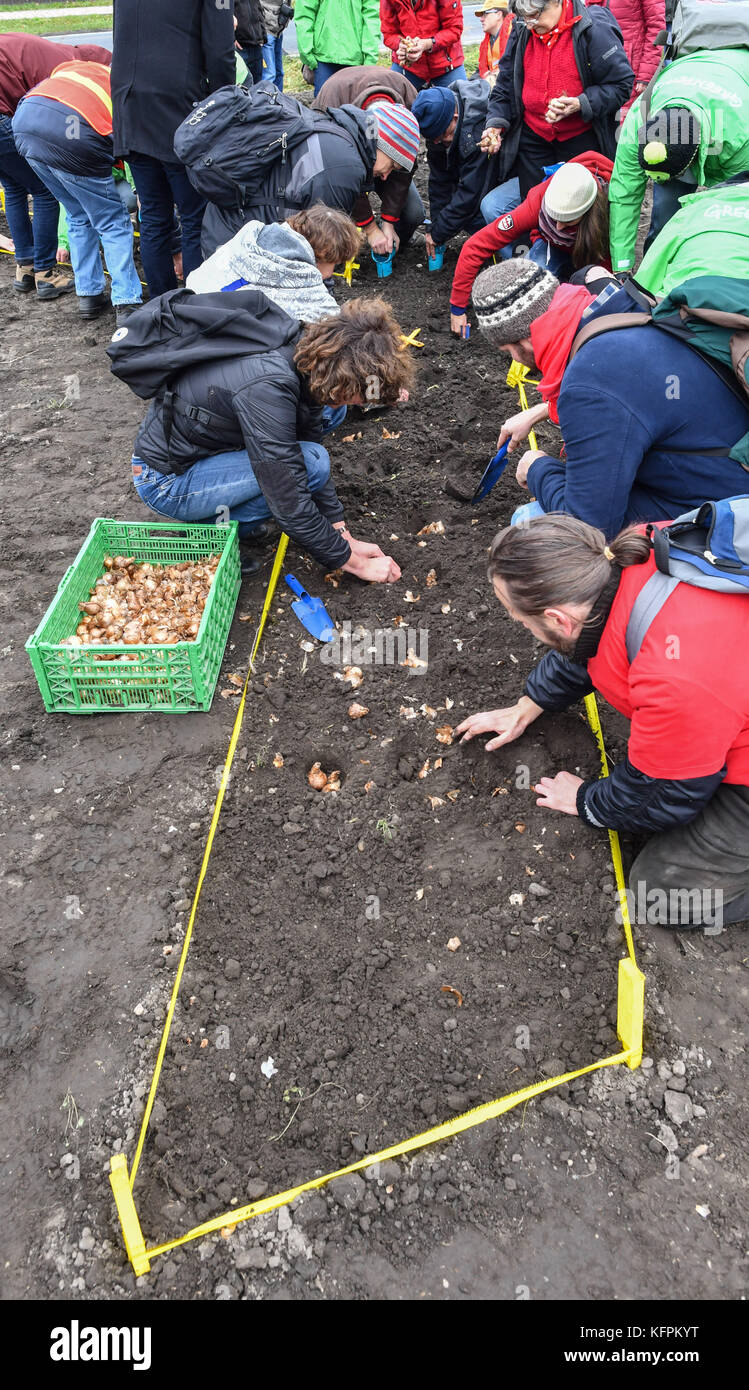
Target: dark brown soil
point(322, 935)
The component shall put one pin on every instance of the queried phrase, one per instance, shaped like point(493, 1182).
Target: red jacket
point(640, 21)
point(691, 715)
point(504, 230)
point(26, 60)
point(491, 49)
point(441, 20)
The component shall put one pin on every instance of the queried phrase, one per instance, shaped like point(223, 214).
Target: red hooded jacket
point(504, 230)
point(641, 21)
point(441, 20)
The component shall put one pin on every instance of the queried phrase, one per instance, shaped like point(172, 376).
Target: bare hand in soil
point(430, 243)
point(458, 322)
point(491, 139)
point(382, 239)
point(559, 793)
point(377, 569)
point(508, 724)
point(519, 426)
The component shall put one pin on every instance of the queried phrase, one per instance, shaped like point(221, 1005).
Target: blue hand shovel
point(311, 612)
point(492, 473)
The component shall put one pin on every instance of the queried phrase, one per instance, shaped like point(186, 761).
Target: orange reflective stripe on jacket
point(85, 88)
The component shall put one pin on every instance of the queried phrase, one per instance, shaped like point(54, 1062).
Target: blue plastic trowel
point(311, 612)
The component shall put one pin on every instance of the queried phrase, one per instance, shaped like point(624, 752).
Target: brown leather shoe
point(50, 284)
point(24, 281)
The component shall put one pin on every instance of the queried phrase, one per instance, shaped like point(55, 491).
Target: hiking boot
point(91, 305)
point(24, 281)
point(250, 565)
point(260, 535)
point(123, 312)
point(50, 284)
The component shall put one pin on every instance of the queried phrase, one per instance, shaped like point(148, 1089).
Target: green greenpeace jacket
point(713, 85)
point(709, 235)
point(338, 31)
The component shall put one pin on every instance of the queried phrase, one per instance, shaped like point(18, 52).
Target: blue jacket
point(635, 407)
point(460, 174)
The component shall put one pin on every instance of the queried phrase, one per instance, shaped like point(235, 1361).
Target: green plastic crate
point(175, 678)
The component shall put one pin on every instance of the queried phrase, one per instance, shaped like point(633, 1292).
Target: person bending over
point(243, 439)
point(684, 782)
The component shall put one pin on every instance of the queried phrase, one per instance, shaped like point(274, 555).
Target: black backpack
point(237, 142)
point(179, 329)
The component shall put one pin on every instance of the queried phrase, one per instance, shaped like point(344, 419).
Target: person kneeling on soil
point(288, 261)
point(648, 424)
point(685, 779)
point(452, 119)
point(242, 437)
point(567, 217)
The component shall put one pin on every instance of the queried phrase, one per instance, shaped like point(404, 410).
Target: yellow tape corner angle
point(135, 1244)
point(630, 1015)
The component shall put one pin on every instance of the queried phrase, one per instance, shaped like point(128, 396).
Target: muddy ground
point(322, 936)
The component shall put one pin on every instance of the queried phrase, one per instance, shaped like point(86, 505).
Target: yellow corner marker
point(517, 376)
point(133, 1236)
point(630, 1015)
point(347, 271)
point(411, 339)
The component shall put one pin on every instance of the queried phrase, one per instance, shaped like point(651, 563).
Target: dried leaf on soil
point(428, 712)
point(406, 712)
point(452, 796)
point(413, 660)
point(410, 597)
point(424, 770)
point(500, 791)
point(236, 679)
point(278, 760)
point(435, 801)
point(356, 711)
point(387, 434)
point(431, 579)
point(245, 617)
point(230, 691)
point(454, 944)
point(450, 989)
point(520, 827)
point(369, 786)
point(334, 578)
point(445, 734)
point(434, 528)
point(349, 438)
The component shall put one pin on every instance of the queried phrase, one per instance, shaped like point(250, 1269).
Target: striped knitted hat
point(509, 296)
point(397, 133)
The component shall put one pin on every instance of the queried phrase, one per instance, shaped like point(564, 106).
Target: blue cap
point(434, 109)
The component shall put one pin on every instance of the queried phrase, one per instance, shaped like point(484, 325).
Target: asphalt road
point(472, 33)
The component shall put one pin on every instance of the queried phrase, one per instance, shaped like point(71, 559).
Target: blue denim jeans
point(35, 242)
point(325, 70)
point(159, 187)
point(273, 61)
point(525, 512)
point(220, 488)
point(444, 80)
point(95, 212)
point(252, 57)
point(552, 258)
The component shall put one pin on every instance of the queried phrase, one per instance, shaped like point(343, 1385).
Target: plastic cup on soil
point(384, 262)
point(436, 261)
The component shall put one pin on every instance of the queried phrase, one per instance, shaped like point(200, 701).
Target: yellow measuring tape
point(631, 997)
point(347, 271)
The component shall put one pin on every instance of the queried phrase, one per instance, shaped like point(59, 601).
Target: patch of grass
point(47, 28)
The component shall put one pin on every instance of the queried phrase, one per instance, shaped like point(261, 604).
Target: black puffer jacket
point(250, 30)
point(604, 70)
point(332, 167)
point(460, 174)
point(260, 403)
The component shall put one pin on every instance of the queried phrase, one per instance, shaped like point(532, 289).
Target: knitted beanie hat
point(434, 109)
point(669, 140)
point(397, 132)
point(571, 192)
point(509, 296)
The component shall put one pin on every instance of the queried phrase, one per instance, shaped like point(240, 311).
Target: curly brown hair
point(331, 234)
point(357, 355)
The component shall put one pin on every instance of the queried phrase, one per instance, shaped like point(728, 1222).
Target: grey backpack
point(703, 24)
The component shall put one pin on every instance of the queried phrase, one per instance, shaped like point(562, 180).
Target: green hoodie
point(709, 235)
point(714, 85)
point(345, 32)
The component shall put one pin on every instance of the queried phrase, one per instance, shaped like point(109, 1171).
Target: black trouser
point(252, 54)
point(698, 874)
point(534, 154)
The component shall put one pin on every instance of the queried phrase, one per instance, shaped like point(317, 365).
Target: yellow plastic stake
point(133, 1235)
point(411, 339)
point(347, 271)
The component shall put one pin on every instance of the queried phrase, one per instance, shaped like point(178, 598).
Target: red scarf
point(552, 336)
point(566, 22)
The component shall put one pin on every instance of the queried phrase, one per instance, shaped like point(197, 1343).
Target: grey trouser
point(698, 874)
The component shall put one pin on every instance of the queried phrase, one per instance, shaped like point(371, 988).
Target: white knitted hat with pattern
point(509, 296)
